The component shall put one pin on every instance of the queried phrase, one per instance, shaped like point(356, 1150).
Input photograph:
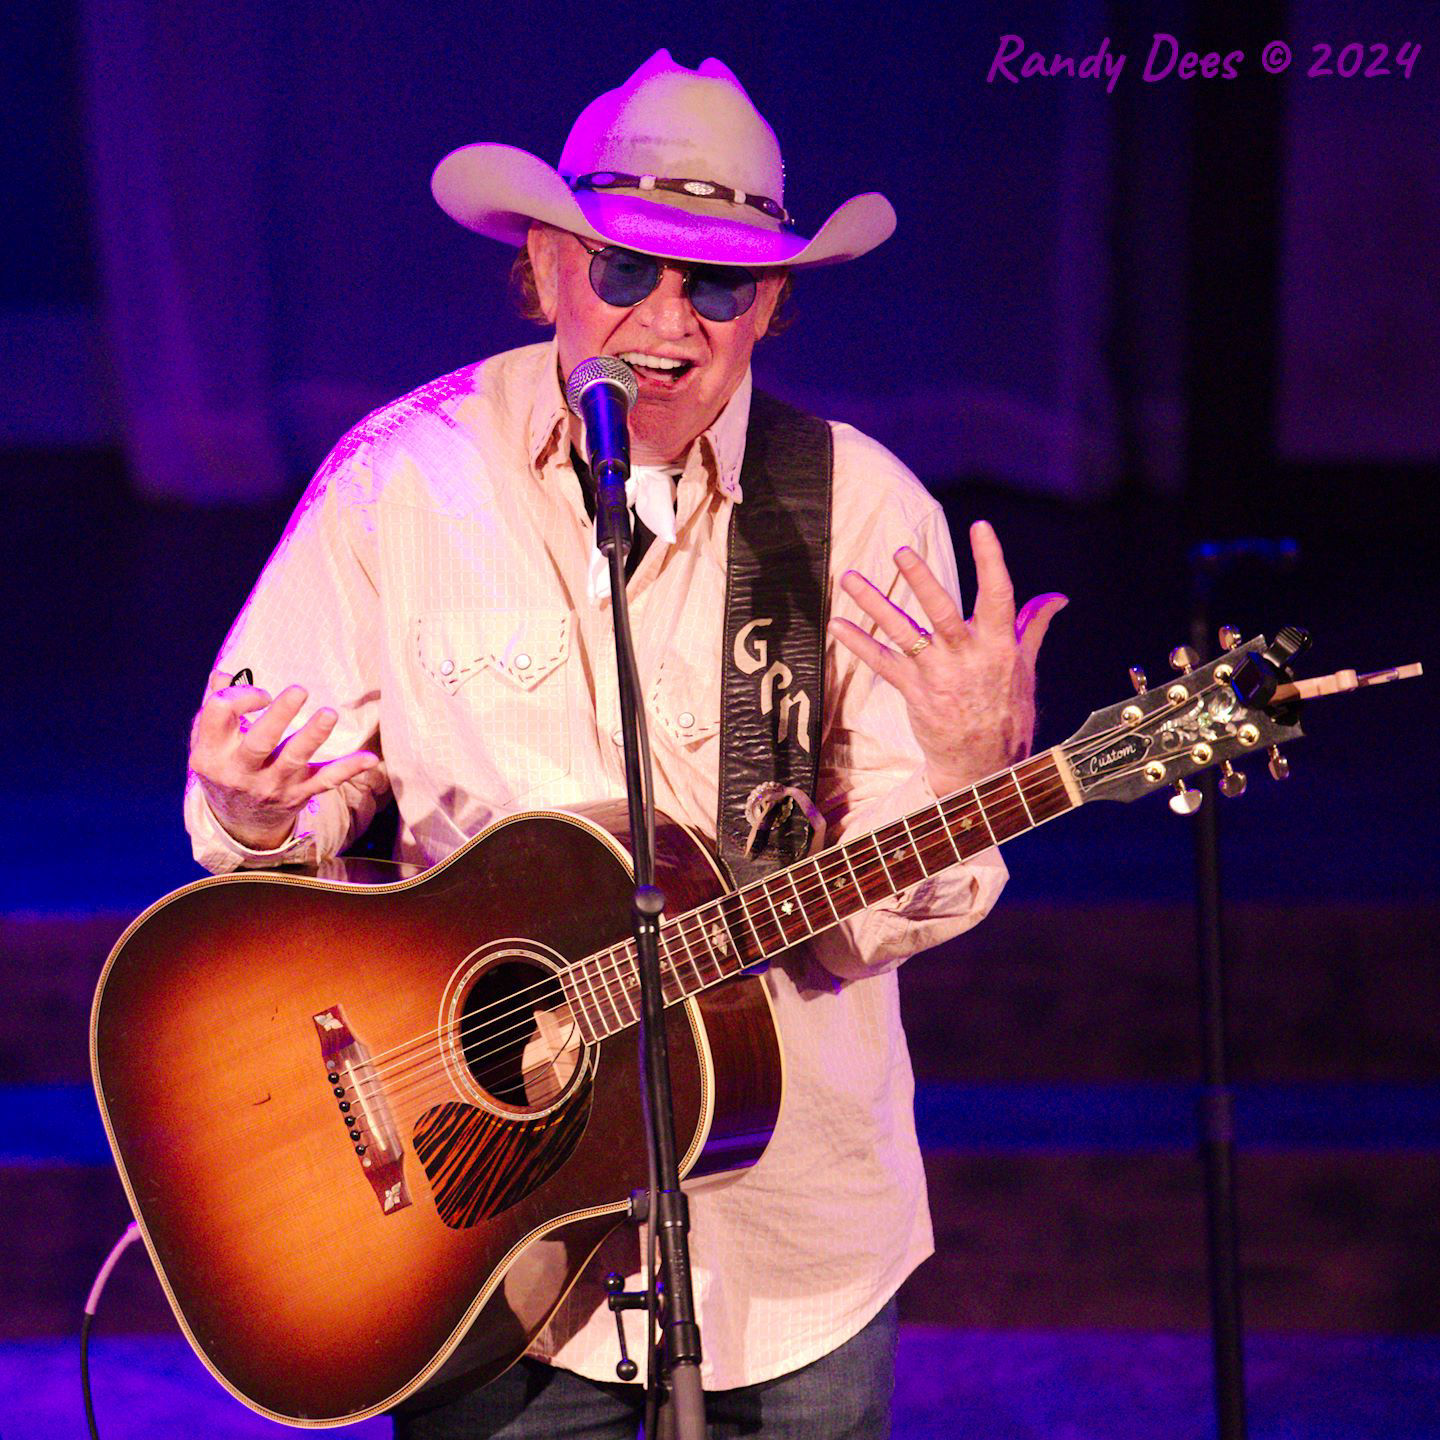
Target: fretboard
point(746, 927)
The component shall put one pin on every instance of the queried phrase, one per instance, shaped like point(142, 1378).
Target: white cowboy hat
point(677, 163)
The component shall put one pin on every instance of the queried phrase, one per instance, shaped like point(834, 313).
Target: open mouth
point(657, 371)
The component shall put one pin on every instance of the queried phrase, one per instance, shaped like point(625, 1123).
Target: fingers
point(939, 605)
point(994, 594)
point(269, 730)
point(297, 750)
point(880, 658)
point(222, 709)
point(337, 772)
point(1034, 620)
point(891, 619)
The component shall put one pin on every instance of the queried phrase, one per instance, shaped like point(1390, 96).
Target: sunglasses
point(625, 277)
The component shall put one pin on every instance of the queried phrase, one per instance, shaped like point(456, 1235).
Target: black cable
point(132, 1234)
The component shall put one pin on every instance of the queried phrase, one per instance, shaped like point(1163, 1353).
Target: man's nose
point(667, 309)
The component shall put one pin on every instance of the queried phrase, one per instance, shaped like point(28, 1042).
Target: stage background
point(1117, 324)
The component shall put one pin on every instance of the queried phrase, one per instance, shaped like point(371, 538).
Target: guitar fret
point(948, 832)
point(825, 892)
point(880, 856)
point(689, 955)
point(980, 806)
point(1015, 781)
point(973, 838)
point(884, 886)
point(671, 986)
point(707, 950)
point(1004, 820)
point(622, 972)
point(857, 899)
point(630, 980)
point(764, 889)
point(903, 868)
point(789, 877)
point(606, 962)
point(586, 970)
point(578, 1009)
point(936, 851)
point(1048, 797)
point(728, 938)
point(750, 919)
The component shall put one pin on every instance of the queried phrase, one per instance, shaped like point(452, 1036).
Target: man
point(437, 615)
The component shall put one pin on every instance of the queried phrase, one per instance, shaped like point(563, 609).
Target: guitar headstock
point(1198, 721)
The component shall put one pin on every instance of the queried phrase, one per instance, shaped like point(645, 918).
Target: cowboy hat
point(677, 163)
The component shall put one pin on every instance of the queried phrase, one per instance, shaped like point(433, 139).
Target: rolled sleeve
point(312, 620)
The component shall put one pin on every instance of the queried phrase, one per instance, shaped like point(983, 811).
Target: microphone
point(601, 391)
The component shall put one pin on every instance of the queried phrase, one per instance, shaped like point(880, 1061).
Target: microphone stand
point(667, 1216)
point(1217, 1103)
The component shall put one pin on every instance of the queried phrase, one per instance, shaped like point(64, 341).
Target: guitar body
point(248, 1028)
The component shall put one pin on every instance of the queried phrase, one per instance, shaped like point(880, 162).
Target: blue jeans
point(844, 1395)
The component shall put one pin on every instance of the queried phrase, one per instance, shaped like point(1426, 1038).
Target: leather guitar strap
point(776, 601)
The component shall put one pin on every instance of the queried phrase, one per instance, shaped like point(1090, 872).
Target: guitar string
point(614, 969)
point(540, 1099)
point(621, 966)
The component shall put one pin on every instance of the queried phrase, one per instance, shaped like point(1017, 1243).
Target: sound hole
point(517, 1037)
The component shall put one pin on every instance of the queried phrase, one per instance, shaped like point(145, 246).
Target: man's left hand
point(969, 685)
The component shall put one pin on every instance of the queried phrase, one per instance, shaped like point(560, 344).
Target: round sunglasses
point(625, 277)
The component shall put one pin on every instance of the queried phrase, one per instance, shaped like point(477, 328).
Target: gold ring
point(919, 645)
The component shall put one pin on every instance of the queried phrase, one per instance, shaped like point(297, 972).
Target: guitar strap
point(772, 689)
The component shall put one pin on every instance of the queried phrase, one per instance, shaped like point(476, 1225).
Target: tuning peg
point(1279, 766)
point(1185, 801)
point(1184, 659)
point(1232, 781)
point(1229, 637)
point(1137, 679)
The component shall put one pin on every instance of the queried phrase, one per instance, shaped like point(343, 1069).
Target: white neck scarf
point(650, 493)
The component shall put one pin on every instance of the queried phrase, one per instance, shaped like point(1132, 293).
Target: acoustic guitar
point(373, 1130)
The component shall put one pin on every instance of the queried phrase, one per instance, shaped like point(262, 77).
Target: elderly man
point(434, 625)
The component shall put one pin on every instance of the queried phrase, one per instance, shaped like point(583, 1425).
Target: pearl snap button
point(618, 736)
point(447, 667)
point(686, 720)
point(522, 662)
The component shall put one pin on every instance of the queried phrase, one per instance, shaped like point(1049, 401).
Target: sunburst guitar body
point(368, 1145)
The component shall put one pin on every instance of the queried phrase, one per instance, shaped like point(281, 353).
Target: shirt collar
point(720, 448)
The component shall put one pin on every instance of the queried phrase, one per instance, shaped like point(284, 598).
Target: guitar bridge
point(361, 1105)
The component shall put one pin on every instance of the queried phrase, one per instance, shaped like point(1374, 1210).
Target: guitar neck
point(746, 927)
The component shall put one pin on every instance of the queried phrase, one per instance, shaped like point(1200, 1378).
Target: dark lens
point(721, 292)
point(621, 277)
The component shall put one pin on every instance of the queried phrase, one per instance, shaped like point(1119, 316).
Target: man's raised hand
point(969, 685)
point(256, 778)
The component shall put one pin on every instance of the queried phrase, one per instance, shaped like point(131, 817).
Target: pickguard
point(480, 1163)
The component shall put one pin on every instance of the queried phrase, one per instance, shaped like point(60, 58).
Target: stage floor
point(1025, 1385)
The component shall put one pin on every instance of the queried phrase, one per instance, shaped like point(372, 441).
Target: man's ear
point(767, 297)
point(540, 242)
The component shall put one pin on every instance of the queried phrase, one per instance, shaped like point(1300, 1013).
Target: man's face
point(675, 405)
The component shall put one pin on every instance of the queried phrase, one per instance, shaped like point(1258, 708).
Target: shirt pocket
point(498, 680)
point(684, 699)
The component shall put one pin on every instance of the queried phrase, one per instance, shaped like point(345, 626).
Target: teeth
point(652, 362)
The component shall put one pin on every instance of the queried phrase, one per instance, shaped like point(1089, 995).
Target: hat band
point(700, 189)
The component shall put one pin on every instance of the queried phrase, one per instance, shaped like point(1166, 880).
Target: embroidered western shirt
point(433, 588)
